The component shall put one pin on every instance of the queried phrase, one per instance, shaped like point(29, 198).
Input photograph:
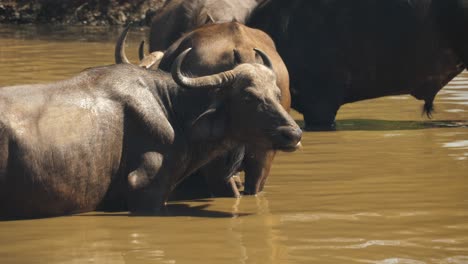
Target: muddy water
point(390, 186)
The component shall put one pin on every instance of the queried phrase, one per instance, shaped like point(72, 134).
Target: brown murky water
point(389, 187)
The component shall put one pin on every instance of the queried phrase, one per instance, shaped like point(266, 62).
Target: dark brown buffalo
point(180, 16)
point(66, 147)
point(343, 51)
point(220, 47)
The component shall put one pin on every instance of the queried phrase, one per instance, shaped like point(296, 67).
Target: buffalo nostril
point(298, 132)
point(291, 136)
point(287, 138)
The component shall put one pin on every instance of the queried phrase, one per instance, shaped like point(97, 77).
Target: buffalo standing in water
point(343, 51)
point(121, 130)
point(219, 47)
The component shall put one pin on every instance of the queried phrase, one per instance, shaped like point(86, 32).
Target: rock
point(93, 12)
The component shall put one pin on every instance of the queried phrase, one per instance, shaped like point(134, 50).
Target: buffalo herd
point(212, 98)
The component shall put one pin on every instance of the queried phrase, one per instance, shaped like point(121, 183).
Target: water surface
point(390, 186)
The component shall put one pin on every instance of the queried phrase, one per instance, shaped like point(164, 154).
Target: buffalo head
point(250, 100)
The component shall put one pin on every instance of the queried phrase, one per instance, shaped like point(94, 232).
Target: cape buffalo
point(343, 51)
point(181, 16)
point(219, 47)
point(122, 128)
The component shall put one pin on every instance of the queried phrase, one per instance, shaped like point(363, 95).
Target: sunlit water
point(389, 187)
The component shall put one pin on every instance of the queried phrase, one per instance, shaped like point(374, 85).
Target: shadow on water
point(387, 125)
point(173, 210)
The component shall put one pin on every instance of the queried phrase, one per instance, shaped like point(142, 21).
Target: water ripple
point(455, 260)
point(459, 144)
point(367, 244)
point(316, 217)
point(399, 261)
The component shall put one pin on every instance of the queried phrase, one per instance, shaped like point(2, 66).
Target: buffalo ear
point(210, 125)
point(152, 60)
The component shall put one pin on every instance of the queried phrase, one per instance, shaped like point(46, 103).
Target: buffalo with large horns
point(219, 47)
point(124, 131)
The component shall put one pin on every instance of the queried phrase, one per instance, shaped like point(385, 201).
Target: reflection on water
point(459, 145)
point(389, 186)
point(463, 144)
point(455, 93)
point(382, 125)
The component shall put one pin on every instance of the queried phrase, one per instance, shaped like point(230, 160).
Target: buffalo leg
point(214, 179)
point(319, 103)
point(200, 186)
point(192, 187)
point(234, 186)
point(319, 115)
point(219, 174)
point(257, 164)
point(149, 188)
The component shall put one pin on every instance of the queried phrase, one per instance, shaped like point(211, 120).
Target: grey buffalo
point(122, 130)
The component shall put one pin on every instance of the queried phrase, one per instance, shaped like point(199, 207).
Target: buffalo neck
point(183, 106)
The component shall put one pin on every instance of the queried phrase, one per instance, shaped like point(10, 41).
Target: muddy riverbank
point(78, 12)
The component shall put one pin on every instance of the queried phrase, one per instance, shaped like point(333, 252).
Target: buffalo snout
point(288, 138)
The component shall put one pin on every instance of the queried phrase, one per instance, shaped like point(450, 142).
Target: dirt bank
point(75, 12)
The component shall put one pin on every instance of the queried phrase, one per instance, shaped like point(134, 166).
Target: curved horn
point(141, 50)
point(211, 81)
point(266, 60)
point(119, 55)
